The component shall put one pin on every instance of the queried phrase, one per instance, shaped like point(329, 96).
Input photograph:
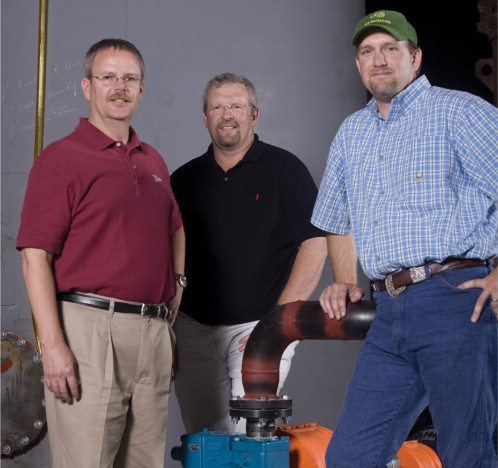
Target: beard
point(228, 140)
point(384, 91)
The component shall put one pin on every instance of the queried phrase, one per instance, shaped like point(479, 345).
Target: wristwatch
point(182, 280)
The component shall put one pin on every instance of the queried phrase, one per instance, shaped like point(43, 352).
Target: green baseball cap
point(393, 22)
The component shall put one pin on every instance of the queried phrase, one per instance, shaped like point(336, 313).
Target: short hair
point(104, 44)
point(230, 78)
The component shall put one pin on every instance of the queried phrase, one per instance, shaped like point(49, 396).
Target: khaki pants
point(124, 366)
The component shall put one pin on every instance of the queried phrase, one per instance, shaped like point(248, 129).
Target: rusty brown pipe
point(285, 324)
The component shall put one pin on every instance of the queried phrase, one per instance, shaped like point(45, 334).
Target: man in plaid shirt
point(411, 190)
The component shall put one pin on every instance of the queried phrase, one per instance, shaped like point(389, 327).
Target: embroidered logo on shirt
point(419, 177)
point(156, 178)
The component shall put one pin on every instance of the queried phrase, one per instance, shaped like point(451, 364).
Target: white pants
point(208, 372)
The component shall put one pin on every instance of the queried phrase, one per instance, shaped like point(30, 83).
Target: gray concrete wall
point(299, 57)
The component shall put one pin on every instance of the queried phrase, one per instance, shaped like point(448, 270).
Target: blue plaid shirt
point(419, 186)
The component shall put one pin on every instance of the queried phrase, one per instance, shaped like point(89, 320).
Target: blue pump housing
point(221, 450)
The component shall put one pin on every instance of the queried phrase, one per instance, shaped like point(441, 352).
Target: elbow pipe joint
point(301, 320)
point(261, 361)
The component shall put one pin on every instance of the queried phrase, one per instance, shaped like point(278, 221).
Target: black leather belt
point(397, 282)
point(149, 310)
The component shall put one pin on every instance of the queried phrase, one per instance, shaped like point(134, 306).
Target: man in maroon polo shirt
point(101, 241)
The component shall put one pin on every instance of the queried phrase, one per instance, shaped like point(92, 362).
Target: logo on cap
point(377, 14)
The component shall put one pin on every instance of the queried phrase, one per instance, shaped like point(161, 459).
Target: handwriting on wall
point(62, 96)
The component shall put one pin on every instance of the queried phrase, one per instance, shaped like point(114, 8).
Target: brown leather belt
point(397, 282)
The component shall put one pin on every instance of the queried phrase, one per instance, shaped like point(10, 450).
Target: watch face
point(182, 280)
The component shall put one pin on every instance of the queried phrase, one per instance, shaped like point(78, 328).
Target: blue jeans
point(423, 350)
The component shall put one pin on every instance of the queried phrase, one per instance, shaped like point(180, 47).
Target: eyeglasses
point(234, 108)
point(112, 80)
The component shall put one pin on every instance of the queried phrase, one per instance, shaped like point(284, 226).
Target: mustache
point(380, 70)
point(122, 96)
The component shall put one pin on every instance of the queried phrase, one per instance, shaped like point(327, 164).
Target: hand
point(335, 297)
point(489, 286)
point(174, 305)
point(60, 372)
point(243, 342)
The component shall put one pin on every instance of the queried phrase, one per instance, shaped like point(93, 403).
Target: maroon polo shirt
point(106, 212)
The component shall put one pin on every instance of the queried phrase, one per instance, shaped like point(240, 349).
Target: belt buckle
point(417, 274)
point(166, 311)
point(160, 307)
point(393, 292)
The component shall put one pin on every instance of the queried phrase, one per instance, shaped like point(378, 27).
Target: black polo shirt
point(243, 229)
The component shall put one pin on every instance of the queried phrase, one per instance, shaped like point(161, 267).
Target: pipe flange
point(260, 408)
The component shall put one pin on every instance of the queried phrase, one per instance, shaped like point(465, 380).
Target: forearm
point(178, 250)
point(59, 364)
point(40, 288)
point(343, 258)
point(306, 271)
point(344, 261)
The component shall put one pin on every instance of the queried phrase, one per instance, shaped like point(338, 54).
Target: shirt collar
point(253, 153)
point(404, 99)
point(101, 140)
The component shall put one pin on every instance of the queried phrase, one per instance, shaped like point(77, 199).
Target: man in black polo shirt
point(246, 209)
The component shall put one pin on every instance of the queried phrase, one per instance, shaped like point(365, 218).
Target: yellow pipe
point(40, 103)
point(40, 92)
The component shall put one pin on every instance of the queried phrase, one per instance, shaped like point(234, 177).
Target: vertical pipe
point(40, 91)
point(40, 102)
